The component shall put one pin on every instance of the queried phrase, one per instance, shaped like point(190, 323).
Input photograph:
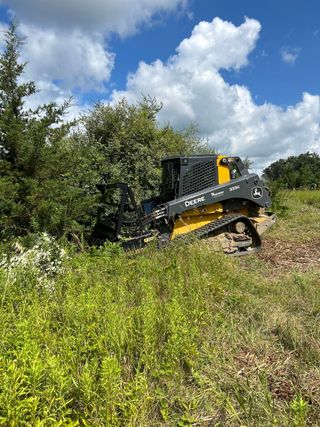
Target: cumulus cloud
point(66, 39)
point(73, 58)
point(120, 16)
point(289, 55)
point(192, 90)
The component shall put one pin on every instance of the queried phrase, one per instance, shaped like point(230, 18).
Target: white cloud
point(120, 16)
point(192, 90)
point(3, 29)
point(48, 92)
point(66, 39)
point(289, 55)
point(218, 44)
point(73, 58)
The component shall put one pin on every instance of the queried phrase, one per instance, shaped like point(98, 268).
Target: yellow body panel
point(198, 217)
point(191, 220)
point(223, 170)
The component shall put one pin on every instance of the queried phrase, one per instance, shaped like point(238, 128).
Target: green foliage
point(308, 198)
point(24, 134)
point(295, 171)
point(278, 197)
point(133, 144)
point(173, 337)
point(36, 189)
point(48, 174)
point(299, 408)
point(13, 119)
point(247, 163)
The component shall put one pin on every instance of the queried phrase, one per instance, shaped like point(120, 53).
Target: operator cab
point(184, 175)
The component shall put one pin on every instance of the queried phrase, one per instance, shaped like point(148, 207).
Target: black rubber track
point(227, 220)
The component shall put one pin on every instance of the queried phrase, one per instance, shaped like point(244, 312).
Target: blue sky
point(250, 84)
point(285, 24)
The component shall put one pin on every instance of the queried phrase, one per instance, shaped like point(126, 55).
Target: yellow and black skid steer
point(201, 196)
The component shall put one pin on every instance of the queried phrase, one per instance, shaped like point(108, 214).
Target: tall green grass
point(310, 198)
point(299, 215)
point(175, 337)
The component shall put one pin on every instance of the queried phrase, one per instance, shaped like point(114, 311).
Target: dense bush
point(132, 143)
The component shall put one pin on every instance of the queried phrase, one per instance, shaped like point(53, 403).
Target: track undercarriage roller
point(239, 227)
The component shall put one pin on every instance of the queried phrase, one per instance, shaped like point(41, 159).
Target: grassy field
point(173, 337)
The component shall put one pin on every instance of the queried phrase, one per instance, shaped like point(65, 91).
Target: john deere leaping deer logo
point(257, 192)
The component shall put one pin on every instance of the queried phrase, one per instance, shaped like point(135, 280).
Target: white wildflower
point(44, 259)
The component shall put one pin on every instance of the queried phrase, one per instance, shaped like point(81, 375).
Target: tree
point(28, 140)
point(295, 171)
point(13, 118)
point(247, 163)
point(133, 144)
point(23, 132)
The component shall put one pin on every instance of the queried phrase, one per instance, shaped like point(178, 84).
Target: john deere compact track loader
point(204, 196)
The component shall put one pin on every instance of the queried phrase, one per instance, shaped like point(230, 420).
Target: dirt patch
point(277, 368)
point(283, 376)
point(284, 255)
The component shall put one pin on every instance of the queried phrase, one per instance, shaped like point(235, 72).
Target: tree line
point(302, 171)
